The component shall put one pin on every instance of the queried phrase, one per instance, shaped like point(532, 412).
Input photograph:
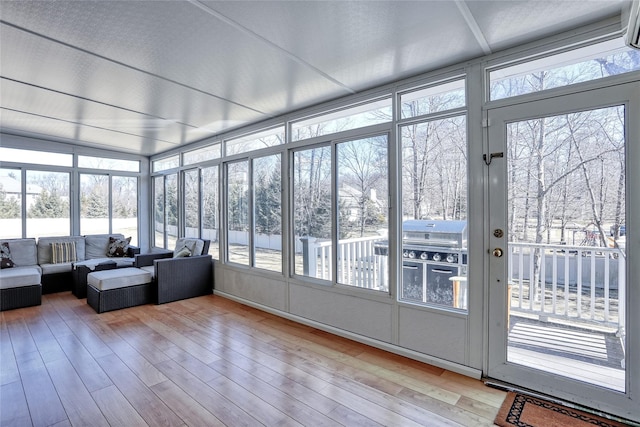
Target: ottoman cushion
point(19, 276)
point(118, 278)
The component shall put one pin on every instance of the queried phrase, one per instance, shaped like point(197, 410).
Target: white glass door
point(561, 204)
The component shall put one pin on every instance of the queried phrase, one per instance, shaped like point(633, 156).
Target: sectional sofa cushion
point(97, 245)
point(18, 277)
point(118, 278)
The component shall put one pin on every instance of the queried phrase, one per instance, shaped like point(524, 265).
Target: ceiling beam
point(473, 26)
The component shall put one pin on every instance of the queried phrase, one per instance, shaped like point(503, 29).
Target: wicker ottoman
point(20, 287)
point(82, 270)
point(120, 288)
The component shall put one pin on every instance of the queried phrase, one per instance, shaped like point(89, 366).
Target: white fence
point(578, 283)
point(358, 265)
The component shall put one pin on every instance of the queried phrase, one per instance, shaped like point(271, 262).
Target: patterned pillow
point(118, 247)
point(62, 252)
point(5, 256)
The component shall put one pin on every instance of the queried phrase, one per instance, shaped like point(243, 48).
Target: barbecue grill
point(434, 253)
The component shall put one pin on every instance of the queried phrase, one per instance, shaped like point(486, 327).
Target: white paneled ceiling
point(148, 76)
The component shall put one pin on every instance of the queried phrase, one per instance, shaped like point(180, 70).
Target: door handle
point(497, 252)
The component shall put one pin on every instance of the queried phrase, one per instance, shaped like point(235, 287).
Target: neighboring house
point(13, 188)
point(349, 200)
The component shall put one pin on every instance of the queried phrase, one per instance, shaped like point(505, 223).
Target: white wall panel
point(433, 333)
point(365, 317)
point(258, 289)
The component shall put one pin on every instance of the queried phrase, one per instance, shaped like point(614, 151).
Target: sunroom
point(474, 210)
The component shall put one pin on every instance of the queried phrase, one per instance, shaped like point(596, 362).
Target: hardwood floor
point(211, 361)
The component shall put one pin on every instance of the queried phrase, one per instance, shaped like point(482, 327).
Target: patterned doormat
point(519, 410)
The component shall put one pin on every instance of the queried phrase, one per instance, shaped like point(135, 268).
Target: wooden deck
point(210, 361)
point(586, 355)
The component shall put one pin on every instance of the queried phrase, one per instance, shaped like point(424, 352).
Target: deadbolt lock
point(498, 233)
point(497, 252)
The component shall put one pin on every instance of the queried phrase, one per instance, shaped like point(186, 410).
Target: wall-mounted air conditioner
point(633, 29)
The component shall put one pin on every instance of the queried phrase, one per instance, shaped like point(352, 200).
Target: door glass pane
point(312, 217)
point(11, 203)
point(94, 204)
point(238, 212)
point(124, 199)
point(566, 205)
point(158, 211)
point(434, 211)
point(210, 223)
point(267, 238)
point(48, 204)
point(171, 209)
point(363, 212)
point(192, 203)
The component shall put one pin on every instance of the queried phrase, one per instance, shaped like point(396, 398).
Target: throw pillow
point(184, 252)
point(118, 247)
point(62, 252)
point(5, 254)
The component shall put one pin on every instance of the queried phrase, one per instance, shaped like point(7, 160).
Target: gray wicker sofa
point(34, 271)
point(90, 251)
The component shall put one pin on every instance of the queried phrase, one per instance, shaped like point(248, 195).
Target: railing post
point(622, 297)
point(309, 256)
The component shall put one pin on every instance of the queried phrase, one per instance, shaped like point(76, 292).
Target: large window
point(158, 212)
point(109, 204)
point(94, 204)
point(434, 212)
point(210, 209)
point(40, 203)
point(171, 209)
point(124, 205)
point(48, 211)
point(267, 208)
point(165, 208)
point(238, 212)
point(10, 203)
point(362, 181)
point(192, 203)
point(312, 212)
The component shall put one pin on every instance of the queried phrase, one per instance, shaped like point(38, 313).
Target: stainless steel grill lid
point(441, 233)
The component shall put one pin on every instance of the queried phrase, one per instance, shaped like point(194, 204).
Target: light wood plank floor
point(211, 361)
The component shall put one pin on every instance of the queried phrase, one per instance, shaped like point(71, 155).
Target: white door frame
point(623, 404)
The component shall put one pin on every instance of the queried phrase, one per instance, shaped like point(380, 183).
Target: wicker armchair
point(179, 278)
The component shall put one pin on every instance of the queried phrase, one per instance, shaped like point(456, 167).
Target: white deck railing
point(358, 265)
point(577, 283)
point(580, 284)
